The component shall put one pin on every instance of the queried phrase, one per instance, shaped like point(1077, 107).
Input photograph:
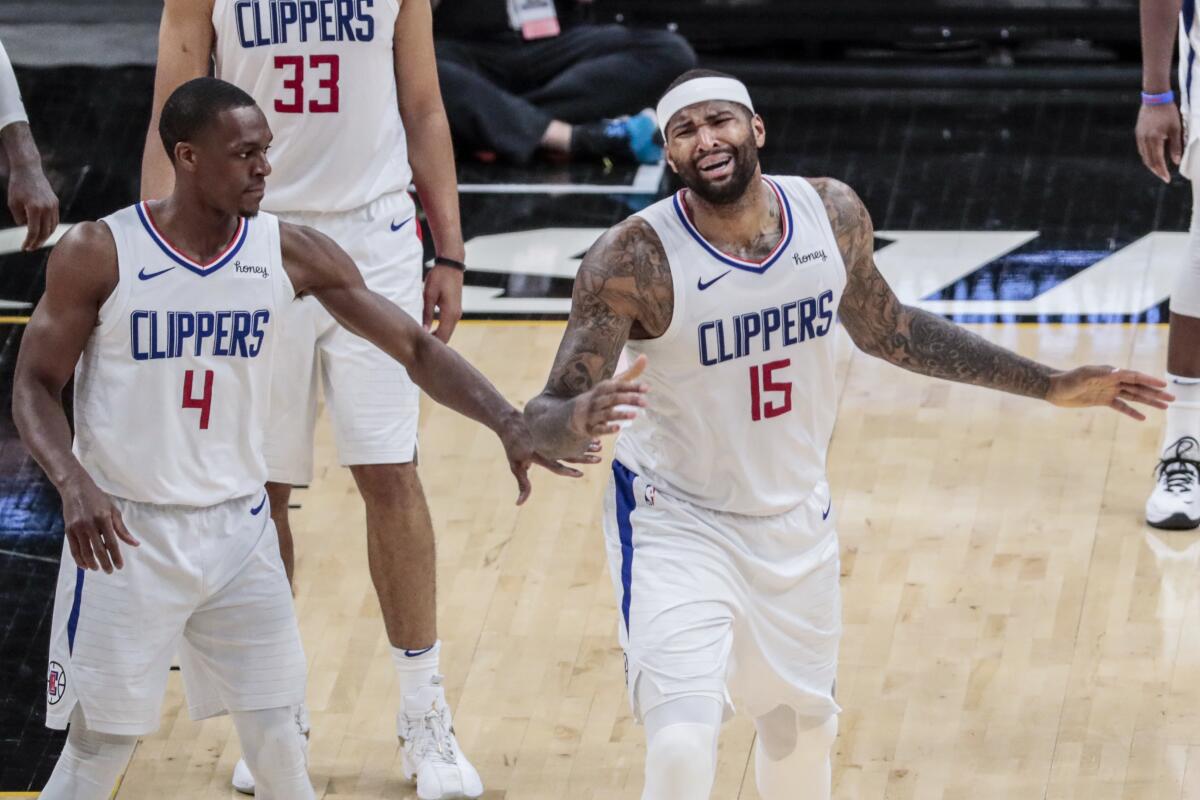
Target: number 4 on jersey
point(204, 401)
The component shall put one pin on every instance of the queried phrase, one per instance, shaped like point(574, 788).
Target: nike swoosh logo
point(701, 285)
point(148, 275)
point(825, 513)
point(396, 227)
point(415, 653)
point(259, 507)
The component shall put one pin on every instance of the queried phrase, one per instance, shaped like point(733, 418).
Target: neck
point(195, 227)
point(741, 223)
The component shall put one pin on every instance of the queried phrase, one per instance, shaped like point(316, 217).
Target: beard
point(730, 189)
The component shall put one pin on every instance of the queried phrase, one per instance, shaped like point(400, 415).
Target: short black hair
point(693, 74)
point(194, 105)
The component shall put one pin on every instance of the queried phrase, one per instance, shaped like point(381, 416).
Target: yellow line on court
point(13, 321)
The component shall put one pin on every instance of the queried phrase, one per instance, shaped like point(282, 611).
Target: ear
point(760, 131)
point(185, 156)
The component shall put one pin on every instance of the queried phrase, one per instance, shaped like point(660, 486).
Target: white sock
point(1183, 416)
point(416, 669)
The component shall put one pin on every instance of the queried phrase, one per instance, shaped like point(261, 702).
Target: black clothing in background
point(501, 91)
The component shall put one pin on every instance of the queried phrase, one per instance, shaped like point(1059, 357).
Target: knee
point(782, 734)
point(387, 484)
point(680, 762)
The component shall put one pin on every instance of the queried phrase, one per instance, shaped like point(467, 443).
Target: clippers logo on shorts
point(261, 23)
point(157, 335)
point(765, 330)
point(56, 683)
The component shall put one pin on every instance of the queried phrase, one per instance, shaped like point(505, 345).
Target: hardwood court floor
point(1012, 629)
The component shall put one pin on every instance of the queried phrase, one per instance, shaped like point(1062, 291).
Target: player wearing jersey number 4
point(719, 523)
point(350, 90)
point(168, 313)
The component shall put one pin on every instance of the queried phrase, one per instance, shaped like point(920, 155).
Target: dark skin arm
point(1159, 125)
point(317, 266)
point(432, 157)
point(922, 342)
point(623, 291)
point(80, 274)
point(30, 199)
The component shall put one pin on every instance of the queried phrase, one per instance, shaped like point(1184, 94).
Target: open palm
point(1108, 386)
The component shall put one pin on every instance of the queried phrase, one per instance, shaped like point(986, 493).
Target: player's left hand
point(518, 446)
point(32, 203)
point(1108, 386)
point(443, 291)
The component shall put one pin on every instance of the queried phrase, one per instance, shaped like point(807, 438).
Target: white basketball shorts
point(207, 583)
point(746, 610)
point(372, 401)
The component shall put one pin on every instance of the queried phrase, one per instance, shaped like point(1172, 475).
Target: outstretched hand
point(1108, 386)
point(518, 446)
point(601, 410)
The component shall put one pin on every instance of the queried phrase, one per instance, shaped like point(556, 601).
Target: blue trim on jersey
point(188, 263)
point(1189, 17)
point(738, 263)
point(73, 619)
point(626, 502)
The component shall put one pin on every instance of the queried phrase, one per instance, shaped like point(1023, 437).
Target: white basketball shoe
point(1175, 502)
point(430, 752)
point(243, 781)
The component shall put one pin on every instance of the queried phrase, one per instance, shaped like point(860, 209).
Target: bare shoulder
point(88, 249)
point(628, 269)
point(304, 245)
point(849, 218)
point(842, 203)
point(313, 260)
point(83, 265)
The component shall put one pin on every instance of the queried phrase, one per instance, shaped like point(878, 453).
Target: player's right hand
point(1159, 127)
point(601, 410)
point(93, 526)
point(32, 203)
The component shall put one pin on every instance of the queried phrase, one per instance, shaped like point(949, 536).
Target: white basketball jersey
point(172, 391)
point(323, 73)
point(742, 392)
point(1189, 47)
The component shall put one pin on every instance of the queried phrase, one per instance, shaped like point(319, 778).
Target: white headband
point(701, 90)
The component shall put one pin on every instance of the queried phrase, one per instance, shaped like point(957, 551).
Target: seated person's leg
point(485, 117)
point(603, 71)
point(793, 752)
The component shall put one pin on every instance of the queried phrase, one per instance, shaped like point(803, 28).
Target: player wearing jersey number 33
point(168, 314)
point(718, 520)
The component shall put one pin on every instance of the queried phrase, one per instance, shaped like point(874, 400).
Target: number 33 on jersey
point(323, 71)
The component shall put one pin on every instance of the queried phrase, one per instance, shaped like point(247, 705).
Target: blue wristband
point(1158, 99)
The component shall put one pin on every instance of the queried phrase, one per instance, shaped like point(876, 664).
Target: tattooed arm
point(623, 291)
point(922, 342)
